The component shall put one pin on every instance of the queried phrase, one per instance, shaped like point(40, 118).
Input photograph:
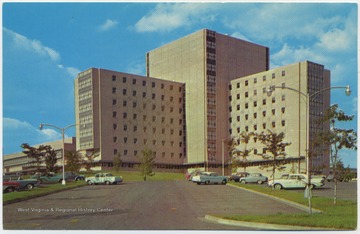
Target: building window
point(134, 104)
point(125, 127)
point(124, 79)
point(273, 124)
point(246, 105)
point(273, 75)
point(124, 103)
point(246, 82)
point(115, 151)
point(238, 118)
point(255, 103)
point(134, 81)
point(238, 107)
point(246, 128)
point(238, 85)
point(114, 139)
point(144, 94)
point(124, 91)
point(124, 115)
point(264, 78)
point(255, 92)
point(264, 101)
point(153, 84)
point(134, 93)
point(264, 125)
point(255, 115)
point(255, 80)
point(162, 86)
point(144, 83)
point(283, 110)
point(114, 102)
point(246, 116)
point(153, 96)
point(238, 96)
point(113, 90)
point(264, 113)
point(283, 97)
point(273, 111)
point(283, 123)
point(283, 73)
point(255, 127)
point(113, 78)
point(114, 113)
point(114, 126)
point(246, 94)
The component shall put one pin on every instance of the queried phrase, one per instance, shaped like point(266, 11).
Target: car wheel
point(89, 182)
point(243, 181)
point(277, 187)
point(107, 182)
point(224, 182)
point(9, 190)
point(198, 183)
point(207, 182)
point(259, 182)
point(29, 186)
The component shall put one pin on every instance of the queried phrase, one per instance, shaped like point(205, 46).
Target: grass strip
point(342, 216)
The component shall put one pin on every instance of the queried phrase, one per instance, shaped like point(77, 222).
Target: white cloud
point(32, 45)
point(167, 17)
point(18, 132)
point(107, 25)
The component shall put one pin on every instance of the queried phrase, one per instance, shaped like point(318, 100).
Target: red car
point(10, 186)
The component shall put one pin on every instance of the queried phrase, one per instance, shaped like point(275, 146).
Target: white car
point(209, 178)
point(289, 181)
point(103, 178)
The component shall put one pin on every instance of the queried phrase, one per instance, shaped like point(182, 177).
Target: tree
point(73, 161)
point(90, 158)
point(35, 154)
point(337, 138)
point(50, 158)
point(274, 150)
point(239, 158)
point(117, 162)
point(147, 160)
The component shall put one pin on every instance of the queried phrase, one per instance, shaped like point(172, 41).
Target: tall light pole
point(63, 144)
point(308, 97)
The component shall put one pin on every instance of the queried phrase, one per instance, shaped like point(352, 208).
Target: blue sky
point(45, 45)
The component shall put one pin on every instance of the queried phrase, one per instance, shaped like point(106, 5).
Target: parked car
point(253, 178)
point(209, 178)
point(24, 183)
point(71, 176)
point(50, 178)
point(289, 181)
point(103, 178)
point(236, 176)
point(189, 176)
point(10, 186)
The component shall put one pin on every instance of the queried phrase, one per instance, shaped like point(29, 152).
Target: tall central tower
point(206, 62)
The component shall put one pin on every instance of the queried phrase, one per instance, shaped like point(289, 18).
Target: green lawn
point(342, 216)
point(52, 188)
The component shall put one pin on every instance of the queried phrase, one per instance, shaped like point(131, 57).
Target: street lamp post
point(63, 144)
point(308, 97)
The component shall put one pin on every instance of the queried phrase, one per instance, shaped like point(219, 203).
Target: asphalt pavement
point(162, 205)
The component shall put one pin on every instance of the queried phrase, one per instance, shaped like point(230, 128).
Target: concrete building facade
point(206, 61)
point(21, 163)
point(254, 109)
point(120, 113)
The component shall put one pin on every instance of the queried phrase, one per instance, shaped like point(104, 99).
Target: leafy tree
point(73, 161)
point(147, 160)
point(50, 158)
point(337, 138)
point(89, 160)
point(117, 162)
point(274, 150)
point(35, 154)
point(239, 158)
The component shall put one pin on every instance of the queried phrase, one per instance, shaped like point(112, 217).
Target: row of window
point(255, 80)
point(145, 129)
point(145, 141)
point(264, 126)
point(144, 95)
point(255, 115)
point(136, 152)
point(144, 83)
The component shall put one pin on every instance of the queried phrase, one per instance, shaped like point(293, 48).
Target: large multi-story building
point(198, 92)
point(120, 113)
point(256, 107)
point(206, 61)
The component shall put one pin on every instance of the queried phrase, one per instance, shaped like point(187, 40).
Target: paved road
point(172, 205)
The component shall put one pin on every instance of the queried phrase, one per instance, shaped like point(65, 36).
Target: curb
point(262, 226)
point(290, 203)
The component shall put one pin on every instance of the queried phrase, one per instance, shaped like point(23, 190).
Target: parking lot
point(162, 205)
